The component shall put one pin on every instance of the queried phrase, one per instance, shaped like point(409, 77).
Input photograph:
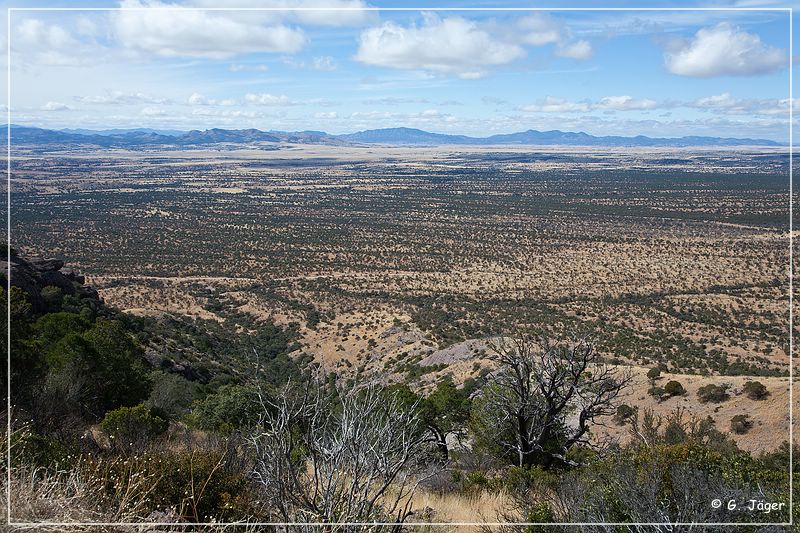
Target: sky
point(173, 65)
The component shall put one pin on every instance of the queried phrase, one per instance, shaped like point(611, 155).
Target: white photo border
point(10, 10)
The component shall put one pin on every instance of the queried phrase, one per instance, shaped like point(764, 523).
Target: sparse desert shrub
point(658, 393)
point(674, 388)
point(624, 413)
point(755, 390)
point(653, 374)
point(713, 393)
point(741, 424)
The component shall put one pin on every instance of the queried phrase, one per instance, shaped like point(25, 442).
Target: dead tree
point(544, 397)
point(337, 457)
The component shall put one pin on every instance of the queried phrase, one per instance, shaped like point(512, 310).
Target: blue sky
point(657, 73)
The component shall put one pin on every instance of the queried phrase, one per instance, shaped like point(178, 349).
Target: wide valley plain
point(399, 264)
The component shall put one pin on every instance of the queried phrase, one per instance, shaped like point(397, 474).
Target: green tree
point(446, 412)
point(171, 394)
point(713, 393)
point(231, 407)
point(120, 367)
point(103, 367)
point(52, 327)
point(674, 388)
point(53, 298)
point(755, 390)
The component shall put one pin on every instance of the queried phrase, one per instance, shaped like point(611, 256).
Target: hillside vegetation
point(108, 427)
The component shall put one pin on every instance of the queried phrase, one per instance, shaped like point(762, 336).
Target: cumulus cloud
point(575, 50)
point(48, 44)
point(724, 50)
point(196, 33)
point(396, 100)
point(451, 45)
point(727, 104)
point(542, 28)
point(238, 67)
point(552, 104)
point(324, 63)
point(719, 104)
point(625, 103)
point(199, 99)
point(151, 111)
point(267, 99)
point(54, 106)
point(345, 12)
point(120, 97)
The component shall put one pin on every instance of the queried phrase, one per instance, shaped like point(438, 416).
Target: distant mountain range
point(142, 137)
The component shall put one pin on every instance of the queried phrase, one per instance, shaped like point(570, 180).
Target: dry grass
point(459, 507)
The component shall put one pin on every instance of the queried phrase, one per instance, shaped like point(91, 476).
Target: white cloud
point(625, 103)
point(197, 99)
point(54, 106)
point(268, 99)
point(346, 12)
point(324, 63)
point(725, 103)
point(575, 50)
point(238, 67)
point(237, 113)
point(196, 33)
point(719, 100)
point(47, 44)
point(153, 112)
point(351, 15)
point(723, 50)
point(326, 115)
point(451, 45)
point(541, 28)
point(552, 104)
point(120, 97)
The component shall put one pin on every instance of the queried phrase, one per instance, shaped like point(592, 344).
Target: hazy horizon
point(174, 131)
point(350, 67)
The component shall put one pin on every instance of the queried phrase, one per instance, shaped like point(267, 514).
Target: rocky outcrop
point(34, 274)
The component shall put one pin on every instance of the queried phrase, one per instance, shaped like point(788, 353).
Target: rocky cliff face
point(34, 274)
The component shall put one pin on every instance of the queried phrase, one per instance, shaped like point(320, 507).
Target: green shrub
point(653, 374)
point(713, 393)
point(755, 390)
point(53, 297)
point(674, 388)
point(131, 427)
point(200, 485)
point(658, 393)
point(624, 413)
point(171, 394)
point(52, 327)
point(741, 424)
point(230, 408)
